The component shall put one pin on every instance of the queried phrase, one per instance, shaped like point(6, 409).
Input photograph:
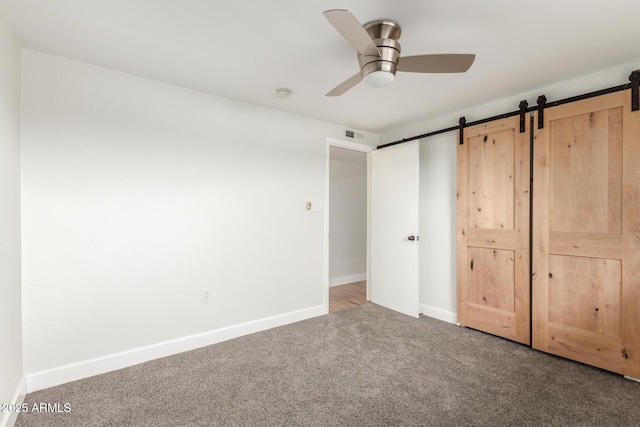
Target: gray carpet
point(366, 366)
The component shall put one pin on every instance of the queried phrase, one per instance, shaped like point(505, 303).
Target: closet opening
point(347, 228)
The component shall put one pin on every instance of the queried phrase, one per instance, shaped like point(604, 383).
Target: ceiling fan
point(379, 53)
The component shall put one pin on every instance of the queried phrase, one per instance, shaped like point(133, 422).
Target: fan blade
point(439, 63)
point(352, 31)
point(345, 85)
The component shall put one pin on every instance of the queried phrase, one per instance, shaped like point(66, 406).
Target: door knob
point(412, 238)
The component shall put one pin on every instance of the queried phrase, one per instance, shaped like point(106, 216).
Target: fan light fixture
point(379, 53)
point(379, 78)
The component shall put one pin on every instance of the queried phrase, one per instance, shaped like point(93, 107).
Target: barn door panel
point(586, 233)
point(493, 229)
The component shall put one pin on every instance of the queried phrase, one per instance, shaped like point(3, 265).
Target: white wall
point(348, 221)
point(591, 82)
point(137, 194)
point(437, 275)
point(10, 303)
point(438, 227)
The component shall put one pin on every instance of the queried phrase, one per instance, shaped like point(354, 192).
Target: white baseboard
point(631, 378)
point(76, 371)
point(8, 419)
point(343, 280)
point(438, 313)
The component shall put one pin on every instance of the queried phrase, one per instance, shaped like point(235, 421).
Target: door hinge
point(471, 265)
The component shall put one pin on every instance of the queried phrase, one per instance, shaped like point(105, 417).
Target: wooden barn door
point(493, 229)
point(586, 222)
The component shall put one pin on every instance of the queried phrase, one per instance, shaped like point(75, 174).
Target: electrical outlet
point(206, 295)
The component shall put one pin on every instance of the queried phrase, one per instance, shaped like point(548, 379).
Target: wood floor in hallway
point(346, 296)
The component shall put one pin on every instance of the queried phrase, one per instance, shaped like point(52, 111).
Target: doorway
point(347, 206)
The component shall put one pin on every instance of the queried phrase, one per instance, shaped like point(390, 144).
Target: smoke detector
point(283, 93)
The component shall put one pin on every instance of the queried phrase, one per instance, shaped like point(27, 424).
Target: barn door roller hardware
point(542, 100)
point(462, 122)
point(634, 78)
point(523, 112)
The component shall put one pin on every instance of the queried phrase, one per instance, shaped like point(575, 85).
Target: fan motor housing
point(385, 34)
point(383, 29)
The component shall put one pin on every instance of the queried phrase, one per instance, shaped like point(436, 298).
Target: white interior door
point(394, 227)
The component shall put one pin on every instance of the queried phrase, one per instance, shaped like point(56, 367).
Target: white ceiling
point(245, 49)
